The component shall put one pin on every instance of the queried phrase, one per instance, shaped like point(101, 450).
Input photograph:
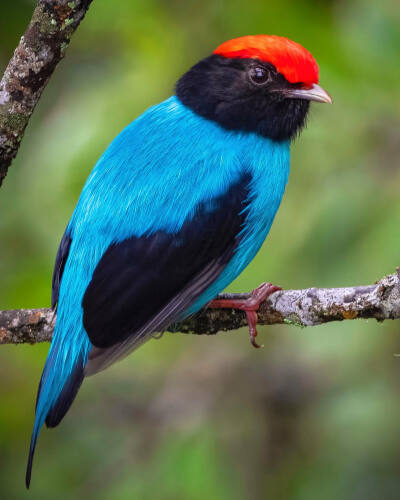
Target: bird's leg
point(249, 306)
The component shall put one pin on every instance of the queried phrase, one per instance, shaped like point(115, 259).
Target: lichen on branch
point(308, 307)
point(39, 51)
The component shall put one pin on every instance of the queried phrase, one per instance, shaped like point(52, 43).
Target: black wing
point(59, 265)
point(145, 283)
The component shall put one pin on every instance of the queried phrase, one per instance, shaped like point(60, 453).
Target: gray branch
point(309, 307)
point(39, 51)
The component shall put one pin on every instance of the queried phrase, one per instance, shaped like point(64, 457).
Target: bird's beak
point(312, 93)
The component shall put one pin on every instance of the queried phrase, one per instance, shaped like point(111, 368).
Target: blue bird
point(178, 205)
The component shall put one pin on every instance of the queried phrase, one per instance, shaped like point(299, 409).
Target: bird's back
point(157, 171)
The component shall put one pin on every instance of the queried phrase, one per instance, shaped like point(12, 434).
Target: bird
point(174, 210)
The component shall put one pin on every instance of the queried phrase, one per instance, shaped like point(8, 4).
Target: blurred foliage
point(316, 413)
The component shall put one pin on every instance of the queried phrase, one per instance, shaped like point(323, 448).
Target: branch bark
point(39, 51)
point(309, 307)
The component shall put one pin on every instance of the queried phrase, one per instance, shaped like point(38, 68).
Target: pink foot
point(250, 306)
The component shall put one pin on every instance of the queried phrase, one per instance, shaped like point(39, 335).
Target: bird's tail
point(61, 379)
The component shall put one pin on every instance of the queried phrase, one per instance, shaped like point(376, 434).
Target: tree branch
point(309, 307)
point(39, 51)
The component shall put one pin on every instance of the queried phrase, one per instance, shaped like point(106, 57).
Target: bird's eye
point(259, 75)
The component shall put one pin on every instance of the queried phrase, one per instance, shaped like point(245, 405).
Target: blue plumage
point(152, 178)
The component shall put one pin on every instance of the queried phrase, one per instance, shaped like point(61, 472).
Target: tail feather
point(32, 447)
point(66, 398)
point(59, 385)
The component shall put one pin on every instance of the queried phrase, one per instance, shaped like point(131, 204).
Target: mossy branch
point(40, 49)
point(309, 307)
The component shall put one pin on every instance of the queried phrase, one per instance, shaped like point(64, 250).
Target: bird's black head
point(256, 84)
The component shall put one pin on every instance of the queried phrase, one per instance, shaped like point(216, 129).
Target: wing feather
point(59, 265)
point(143, 284)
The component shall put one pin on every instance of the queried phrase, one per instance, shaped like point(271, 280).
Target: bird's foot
point(249, 306)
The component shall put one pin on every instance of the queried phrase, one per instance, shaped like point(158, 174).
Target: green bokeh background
point(315, 415)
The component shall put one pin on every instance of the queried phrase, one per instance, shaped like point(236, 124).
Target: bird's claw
point(250, 306)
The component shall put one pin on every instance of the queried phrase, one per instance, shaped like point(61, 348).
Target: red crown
point(295, 63)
